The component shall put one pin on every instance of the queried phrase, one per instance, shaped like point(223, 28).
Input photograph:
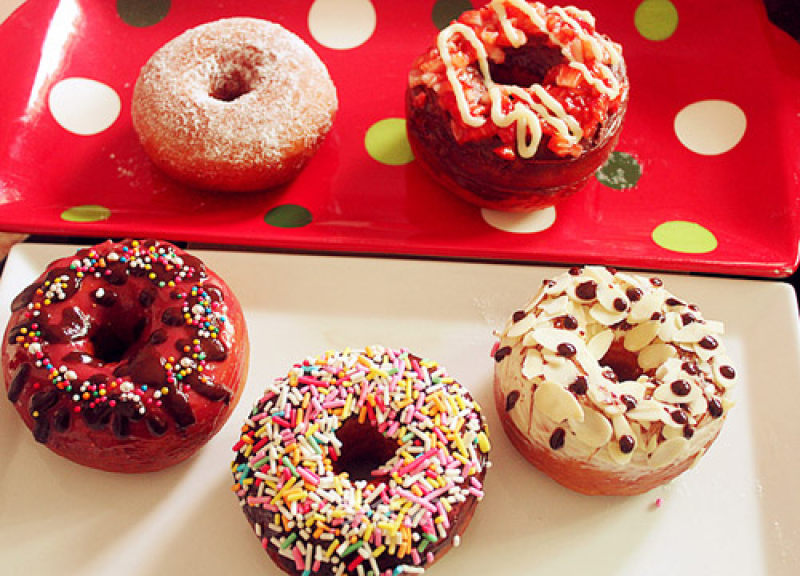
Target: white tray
point(736, 513)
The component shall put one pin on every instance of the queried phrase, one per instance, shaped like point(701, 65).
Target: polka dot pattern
point(710, 127)
point(684, 237)
point(656, 19)
point(143, 13)
point(445, 11)
point(86, 213)
point(520, 223)
point(84, 106)
point(387, 143)
point(621, 171)
point(342, 24)
point(288, 216)
point(660, 161)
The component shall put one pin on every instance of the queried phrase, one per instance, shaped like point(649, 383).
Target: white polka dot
point(341, 24)
point(519, 222)
point(84, 106)
point(710, 127)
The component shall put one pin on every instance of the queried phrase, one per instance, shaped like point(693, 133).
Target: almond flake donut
point(127, 356)
point(236, 104)
point(361, 463)
point(610, 384)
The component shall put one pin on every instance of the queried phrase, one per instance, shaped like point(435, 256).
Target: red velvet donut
point(127, 356)
point(516, 105)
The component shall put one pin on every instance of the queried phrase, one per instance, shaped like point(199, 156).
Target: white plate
point(737, 512)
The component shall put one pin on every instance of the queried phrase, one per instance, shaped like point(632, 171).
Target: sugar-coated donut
point(237, 104)
point(609, 383)
point(517, 104)
point(360, 462)
point(127, 356)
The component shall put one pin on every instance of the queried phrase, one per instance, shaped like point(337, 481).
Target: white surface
point(736, 513)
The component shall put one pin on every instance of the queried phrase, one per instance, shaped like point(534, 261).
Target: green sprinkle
point(289, 540)
point(352, 548)
point(429, 537)
point(290, 466)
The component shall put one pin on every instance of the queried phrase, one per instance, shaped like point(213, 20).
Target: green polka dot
point(686, 237)
point(387, 143)
point(288, 216)
point(656, 19)
point(620, 171)
point(142, 13)
point(445, 11)
point(86, 213)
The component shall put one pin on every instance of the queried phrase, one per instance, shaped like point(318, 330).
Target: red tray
point(740, 209)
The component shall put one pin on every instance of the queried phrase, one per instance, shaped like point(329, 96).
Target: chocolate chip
point(511, 400)
point(688, 432)
point(673, 302)
point(611, 270)
point(634, 294)
point(173, 317)
point(566, 350)
point(557, 438)
point(158, 336)
point(728, 372)
point(620, 305)
point(518, 315)
point(655, 281)
point(715, 407)
point(586, 290)
point(681, 387)
point(688, 318)
point(656, 316)
point(569, 322)
point(690, 368)
point(709, 343)
point(626, 444)
point(629, 401)
point(679, 417)
point(41, 429)
point(579, 387)
point(502, 353)
point(575, 271)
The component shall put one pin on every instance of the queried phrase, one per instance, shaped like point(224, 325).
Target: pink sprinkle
point(415, 556)
point(659, 502)
point(299, 563)
point(308, 475)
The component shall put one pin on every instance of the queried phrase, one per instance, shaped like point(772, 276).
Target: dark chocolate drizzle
point(59, 322)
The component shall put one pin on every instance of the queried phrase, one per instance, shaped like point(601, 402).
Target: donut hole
point(235, 76)
point(115, 336)
point(624, 363)
point(526, 65)
point(363, 450)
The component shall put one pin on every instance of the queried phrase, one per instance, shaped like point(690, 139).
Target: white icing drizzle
point(527, 113)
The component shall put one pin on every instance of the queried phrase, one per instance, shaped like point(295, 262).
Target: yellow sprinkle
point(378, 551)
point(368, 532)
point(334, 545)
point(483, 443)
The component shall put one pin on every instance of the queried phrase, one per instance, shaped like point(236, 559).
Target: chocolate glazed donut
point(125, 357)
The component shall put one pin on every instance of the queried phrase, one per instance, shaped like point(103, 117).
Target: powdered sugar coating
point(235, 104)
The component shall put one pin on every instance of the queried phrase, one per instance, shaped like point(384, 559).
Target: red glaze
point(479, 164)
point(116, 334)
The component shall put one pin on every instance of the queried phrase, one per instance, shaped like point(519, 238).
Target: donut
point(360, 462)
point(610, 384)
point(237, 104)
point(127, 356)
point(516, 104)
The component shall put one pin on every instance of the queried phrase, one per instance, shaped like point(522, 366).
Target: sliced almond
point(532, 366)
point(600, 343)
point(606, 317)
point(595, 430)
point(667, 452)
point(641, 335)
point(557, 403)
point(654, 355)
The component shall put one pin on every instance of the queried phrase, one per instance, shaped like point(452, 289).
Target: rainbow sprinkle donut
point(361, 462)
